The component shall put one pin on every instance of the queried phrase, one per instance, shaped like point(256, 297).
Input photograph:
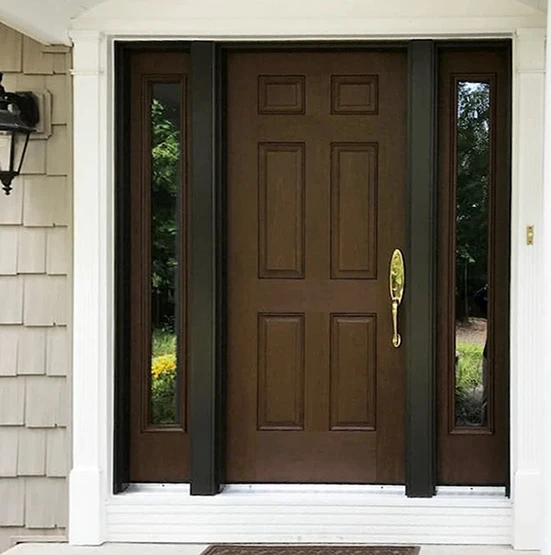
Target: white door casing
point(526, 282)
point(545, 317)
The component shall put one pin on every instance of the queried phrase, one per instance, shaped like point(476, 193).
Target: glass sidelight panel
point(165, 120)
point(153, 229)
point(473, 261)
point(473, 184)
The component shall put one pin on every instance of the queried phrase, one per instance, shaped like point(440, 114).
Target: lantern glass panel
point(5, 150)
point(21, 141)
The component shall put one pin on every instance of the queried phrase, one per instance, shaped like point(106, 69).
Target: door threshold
point(390, 491)
point(295, 513)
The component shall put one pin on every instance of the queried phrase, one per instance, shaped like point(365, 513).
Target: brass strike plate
point(530, 235)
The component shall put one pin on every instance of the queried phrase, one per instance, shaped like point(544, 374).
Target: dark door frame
point(421, 268)
point(207, 287)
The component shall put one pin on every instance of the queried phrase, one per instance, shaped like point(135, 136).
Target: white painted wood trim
point(310, 514)
point(269, 28)
point(536, 4)
point(526, 283)
point(143, 22)
point(93, 294)
point(36, 19)
point(546, 335)
point(97, 516)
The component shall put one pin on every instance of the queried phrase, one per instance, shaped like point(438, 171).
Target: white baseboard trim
point(310, 514)
point(527, 487)
point(86, 526)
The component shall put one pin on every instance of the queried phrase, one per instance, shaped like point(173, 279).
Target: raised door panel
point(281, 372)
point(281, 210)
point(353, 372)
point(281, 94)
point(354, 211)
point(355, 95)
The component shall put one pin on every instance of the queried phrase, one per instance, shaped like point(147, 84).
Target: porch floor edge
point(196, 549)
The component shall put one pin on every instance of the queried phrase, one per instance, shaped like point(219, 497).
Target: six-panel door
point(316, 206)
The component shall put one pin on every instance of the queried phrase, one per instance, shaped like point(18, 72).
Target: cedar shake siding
point(35, 302)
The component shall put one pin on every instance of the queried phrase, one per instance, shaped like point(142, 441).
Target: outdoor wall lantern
point(18, 117)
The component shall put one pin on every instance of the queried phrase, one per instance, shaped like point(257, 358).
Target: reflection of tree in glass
point(164, 191)
point(165, 186)
point(471, 272)
point(473, 167)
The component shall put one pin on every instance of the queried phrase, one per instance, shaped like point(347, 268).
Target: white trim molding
point(526, 283)
point(310, 514)
point(546, 316)
point(536, 4)
point(374, 28)
point(93, 294)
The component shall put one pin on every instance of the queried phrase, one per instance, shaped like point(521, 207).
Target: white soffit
point(317, 9)
point(540, 5)
point(47, 21)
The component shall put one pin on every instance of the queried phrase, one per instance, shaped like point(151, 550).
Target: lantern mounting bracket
point(19, 115)
point(25, 102)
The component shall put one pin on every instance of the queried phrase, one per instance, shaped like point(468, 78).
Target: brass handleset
point(397, 281)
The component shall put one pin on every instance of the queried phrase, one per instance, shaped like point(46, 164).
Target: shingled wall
point(35, 302)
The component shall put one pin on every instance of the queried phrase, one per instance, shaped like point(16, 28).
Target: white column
point(527, 323)
point(92, 313)
point(546, 290)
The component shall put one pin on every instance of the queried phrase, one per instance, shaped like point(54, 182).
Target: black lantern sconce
point(18, 117)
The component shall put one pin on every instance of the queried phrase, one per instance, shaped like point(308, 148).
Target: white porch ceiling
point(536, 4)
point(50, 20)
point(47, 21)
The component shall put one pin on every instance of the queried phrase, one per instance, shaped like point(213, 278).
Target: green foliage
point(473, 167)
point(163, 402)
point(165, 184)
point(469, 365)
point(469, 406)
point(163, 343)
point(163, 377)
point(165, 187)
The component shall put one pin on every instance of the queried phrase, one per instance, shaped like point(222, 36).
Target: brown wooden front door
point(316, 206)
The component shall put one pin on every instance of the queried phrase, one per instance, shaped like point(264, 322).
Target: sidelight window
point(473, 226)
point(165, 118)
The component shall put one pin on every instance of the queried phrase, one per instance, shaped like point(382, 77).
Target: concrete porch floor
point(171, 549)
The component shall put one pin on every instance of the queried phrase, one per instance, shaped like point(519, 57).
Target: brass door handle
point(397, 281)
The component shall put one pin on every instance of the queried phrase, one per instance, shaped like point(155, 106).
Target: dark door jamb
point(420, 272)
point(207, 281)
point(121, 447)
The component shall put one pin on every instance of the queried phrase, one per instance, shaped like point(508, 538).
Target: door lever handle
point(397, 282)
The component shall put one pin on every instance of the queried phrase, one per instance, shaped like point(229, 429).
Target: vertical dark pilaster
point(121, 435)
point(420, 276)
point(206, 297)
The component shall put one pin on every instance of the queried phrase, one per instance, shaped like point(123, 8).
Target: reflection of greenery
point(468, 382)
point(473, 166)
point(469, 365)
point(164, 342)
point(165, 186)
point(163, 402)
point(163, 378)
